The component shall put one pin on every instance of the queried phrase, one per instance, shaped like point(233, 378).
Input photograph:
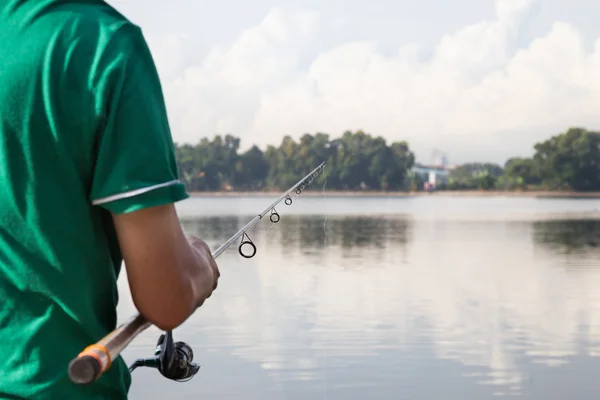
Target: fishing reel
point(172, 359)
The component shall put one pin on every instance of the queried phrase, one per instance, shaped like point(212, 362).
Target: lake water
point(393, 298)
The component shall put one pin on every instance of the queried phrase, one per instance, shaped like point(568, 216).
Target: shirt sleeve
point(135, 164)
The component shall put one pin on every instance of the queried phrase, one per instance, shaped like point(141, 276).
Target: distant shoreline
point(441, 193)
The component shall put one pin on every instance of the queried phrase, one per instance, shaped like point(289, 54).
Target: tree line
point(360, 161)
point(569, 161)
point(355, 161)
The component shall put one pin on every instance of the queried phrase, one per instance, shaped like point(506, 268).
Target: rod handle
point(84, 370)
point(89, 365)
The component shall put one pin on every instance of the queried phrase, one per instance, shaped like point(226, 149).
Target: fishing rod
point(172, 359)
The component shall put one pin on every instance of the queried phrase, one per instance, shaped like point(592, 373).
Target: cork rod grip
point(94, 360)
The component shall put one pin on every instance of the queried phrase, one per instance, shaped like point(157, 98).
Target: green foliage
point(355, 161)
point(359, 161)
point(482, 176)
point(520, 173)
point(568, 161)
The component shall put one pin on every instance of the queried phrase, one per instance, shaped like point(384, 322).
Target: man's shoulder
point(92, 10)
point(100, 20)
point(28, 14)
point(95, 39)
point(92, 26)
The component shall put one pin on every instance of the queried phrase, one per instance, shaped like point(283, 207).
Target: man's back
point(63, 100)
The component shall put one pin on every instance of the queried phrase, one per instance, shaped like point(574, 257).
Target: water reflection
point(214, 228)
point(453, 310)
point(309, 233)
point(568, 235)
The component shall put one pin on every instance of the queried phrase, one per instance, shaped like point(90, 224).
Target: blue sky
point(477, 79)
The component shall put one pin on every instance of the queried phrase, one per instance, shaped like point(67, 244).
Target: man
point(88, 179)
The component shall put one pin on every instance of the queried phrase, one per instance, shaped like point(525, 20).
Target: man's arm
point(169, 275)
point(136, 179)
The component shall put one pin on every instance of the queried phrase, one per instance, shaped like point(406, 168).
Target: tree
point(475, 176)
point(521, 173)
point(356, 160)
point(252, 169)
point(361, 161)
point(570, 160)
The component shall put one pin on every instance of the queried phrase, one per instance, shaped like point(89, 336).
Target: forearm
point(169, 275)
point(190, 282)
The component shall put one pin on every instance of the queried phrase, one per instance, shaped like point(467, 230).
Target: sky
point(478, 80)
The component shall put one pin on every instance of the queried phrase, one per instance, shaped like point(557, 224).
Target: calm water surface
point(393, 298)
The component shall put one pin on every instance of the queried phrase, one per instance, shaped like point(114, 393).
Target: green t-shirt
point(83, 132)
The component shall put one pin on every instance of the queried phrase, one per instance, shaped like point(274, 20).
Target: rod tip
point(84, 370)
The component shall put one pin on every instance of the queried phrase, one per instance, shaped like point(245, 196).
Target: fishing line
point(265, 234)
point(273, 219)
point(326, 219)
point(289, 201)
point(325, 346)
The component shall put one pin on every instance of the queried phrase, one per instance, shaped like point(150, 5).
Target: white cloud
point(276, 80)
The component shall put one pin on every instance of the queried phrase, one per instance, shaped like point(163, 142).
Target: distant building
point(432, 175)
point(438, 177)
point(439, 158)
point(444, 161)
